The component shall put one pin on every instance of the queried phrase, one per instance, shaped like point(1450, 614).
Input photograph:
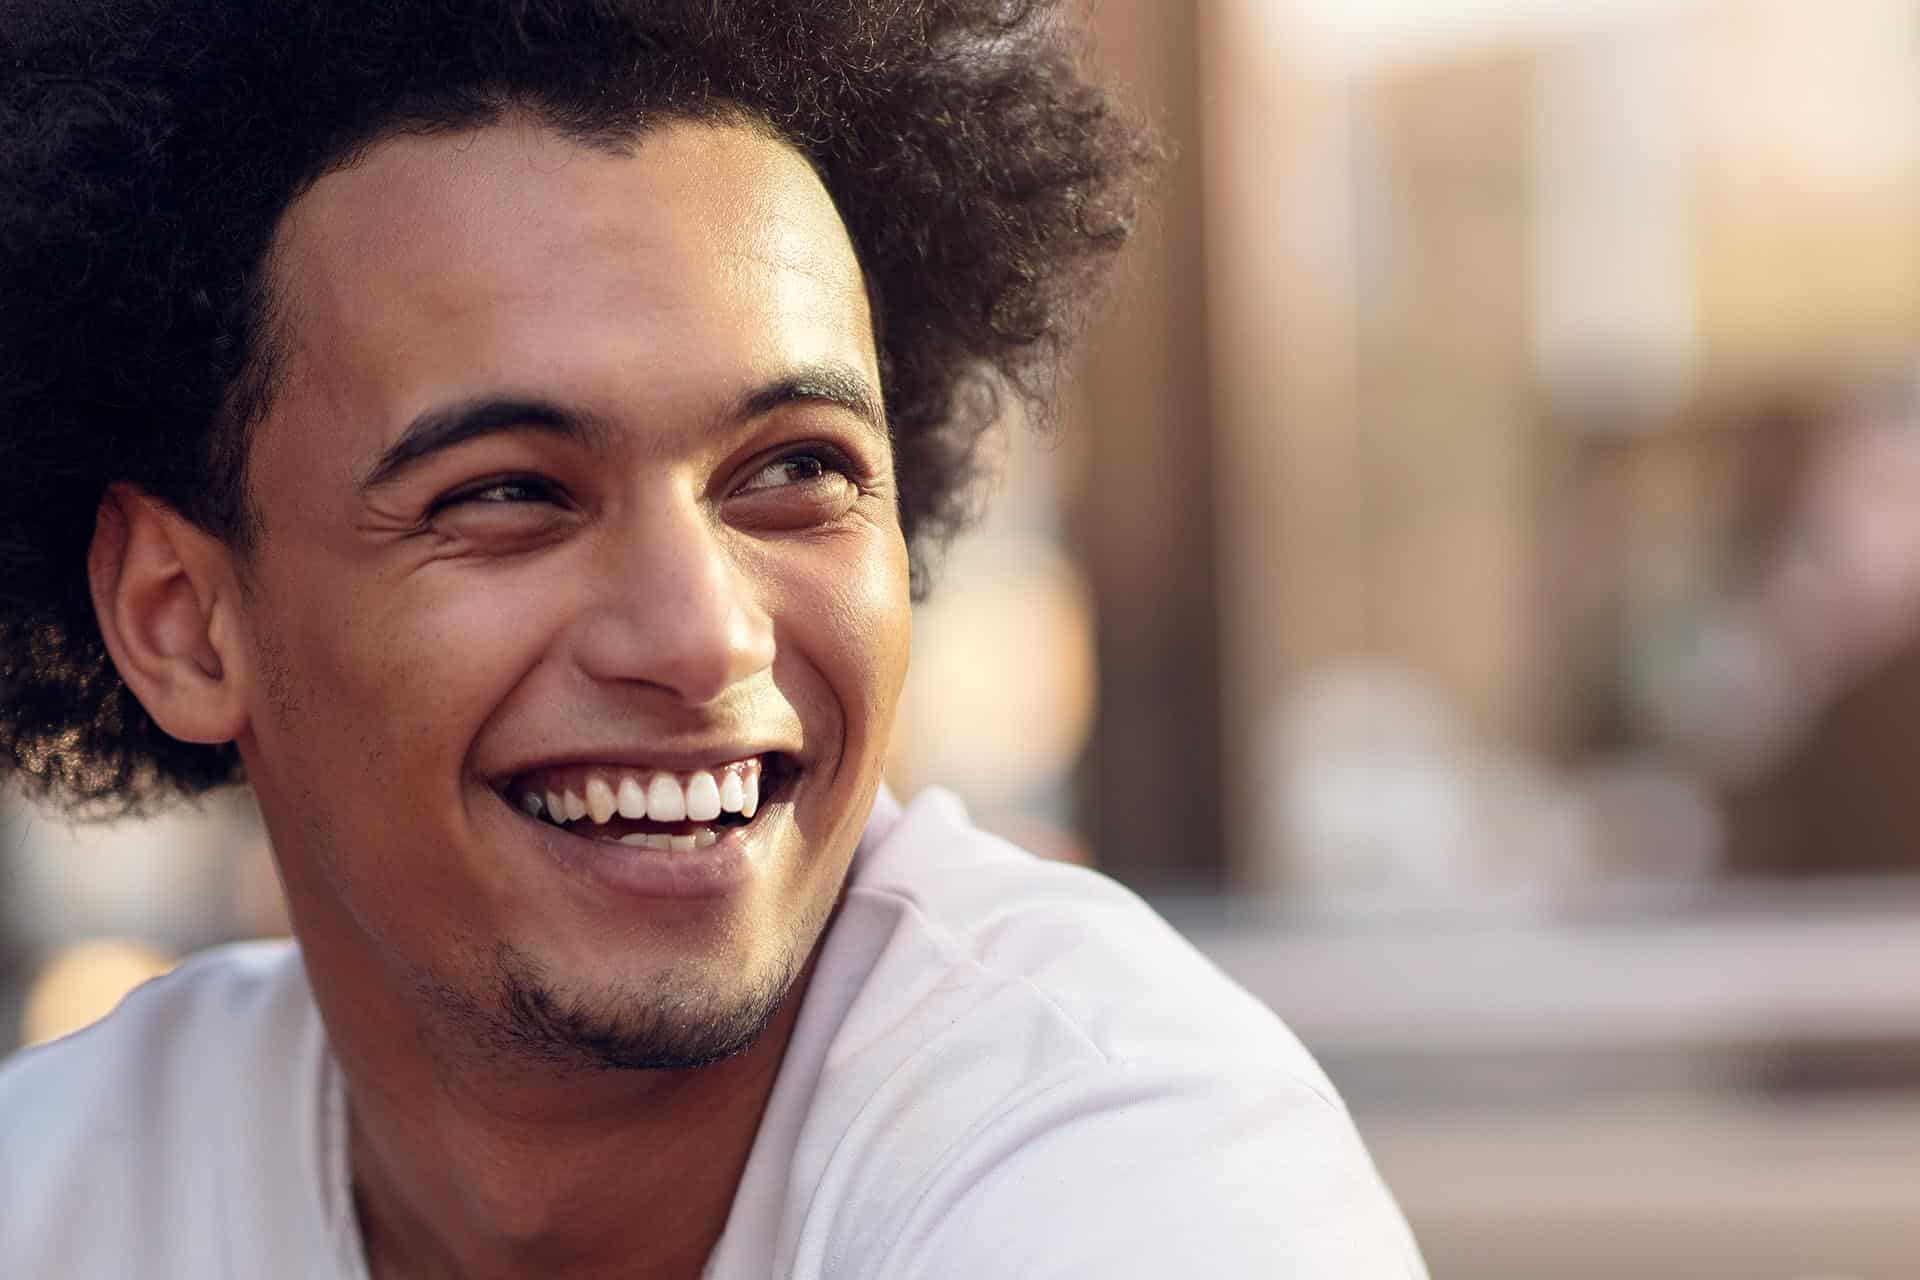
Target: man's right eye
point(503, 490)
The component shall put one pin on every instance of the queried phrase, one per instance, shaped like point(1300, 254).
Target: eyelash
point(540, 488)
point(823, 456)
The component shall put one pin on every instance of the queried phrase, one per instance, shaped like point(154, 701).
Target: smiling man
point(504, 437)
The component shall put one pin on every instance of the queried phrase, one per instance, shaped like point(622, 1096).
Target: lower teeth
point(704, 838)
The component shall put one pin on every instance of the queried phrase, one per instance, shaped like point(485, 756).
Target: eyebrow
point(442, 428)
point(828, 382)
point(438, 429)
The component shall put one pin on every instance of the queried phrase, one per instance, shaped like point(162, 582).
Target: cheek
point(893, 626)
point(402, 670)
point(862, 622)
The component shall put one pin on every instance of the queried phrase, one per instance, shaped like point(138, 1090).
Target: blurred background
point(1475, 592)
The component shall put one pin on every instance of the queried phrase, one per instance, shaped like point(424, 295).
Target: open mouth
point(671, 811)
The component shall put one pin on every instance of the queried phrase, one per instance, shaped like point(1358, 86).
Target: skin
point(659, 585)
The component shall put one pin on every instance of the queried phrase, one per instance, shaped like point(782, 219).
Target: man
point(504, 434)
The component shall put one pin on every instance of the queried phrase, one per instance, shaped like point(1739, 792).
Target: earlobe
point(162, 592)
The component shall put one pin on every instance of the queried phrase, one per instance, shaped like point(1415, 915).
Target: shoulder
point(1070, 945)
point(207, 999)
point(215, 993)
point(105, 1132)
point(1039, 1067)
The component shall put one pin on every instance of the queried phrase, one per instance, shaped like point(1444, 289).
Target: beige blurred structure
point(83, 982)
point(1499, 342)
point(1558, 367)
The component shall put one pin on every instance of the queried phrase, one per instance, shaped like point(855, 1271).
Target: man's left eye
point(795, 469)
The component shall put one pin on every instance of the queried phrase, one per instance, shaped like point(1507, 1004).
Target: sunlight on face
point(578, 472)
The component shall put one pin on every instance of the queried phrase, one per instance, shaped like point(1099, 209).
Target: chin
point(675, 1020)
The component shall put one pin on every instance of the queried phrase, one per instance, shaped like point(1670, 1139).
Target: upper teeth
point(600, 794)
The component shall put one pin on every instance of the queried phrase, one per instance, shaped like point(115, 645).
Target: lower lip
point(712, 872)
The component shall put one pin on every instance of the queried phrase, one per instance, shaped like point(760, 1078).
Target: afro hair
point(148, 149)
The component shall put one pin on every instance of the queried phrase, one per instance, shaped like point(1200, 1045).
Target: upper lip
point(680, 759)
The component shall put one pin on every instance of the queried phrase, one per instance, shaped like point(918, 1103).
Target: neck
point(483, 1169)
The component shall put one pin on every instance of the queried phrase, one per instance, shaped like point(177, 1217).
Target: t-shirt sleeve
point(1126, 1172)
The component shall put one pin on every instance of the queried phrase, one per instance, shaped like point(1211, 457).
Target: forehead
point(509, 257)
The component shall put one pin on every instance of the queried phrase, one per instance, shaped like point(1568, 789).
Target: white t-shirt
point(1004, 1067)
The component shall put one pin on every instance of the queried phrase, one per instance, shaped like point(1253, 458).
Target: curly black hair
point(148, 149)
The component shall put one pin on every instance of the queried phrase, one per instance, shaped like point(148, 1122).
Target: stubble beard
point(673, 1026)
point(677, 1022)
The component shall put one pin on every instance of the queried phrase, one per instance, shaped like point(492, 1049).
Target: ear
point(165, 595)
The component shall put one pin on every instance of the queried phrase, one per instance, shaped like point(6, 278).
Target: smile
point(652, 808)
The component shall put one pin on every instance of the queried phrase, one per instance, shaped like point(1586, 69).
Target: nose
point(674, 607)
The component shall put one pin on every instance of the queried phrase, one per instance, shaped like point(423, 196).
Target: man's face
point(570, 499)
